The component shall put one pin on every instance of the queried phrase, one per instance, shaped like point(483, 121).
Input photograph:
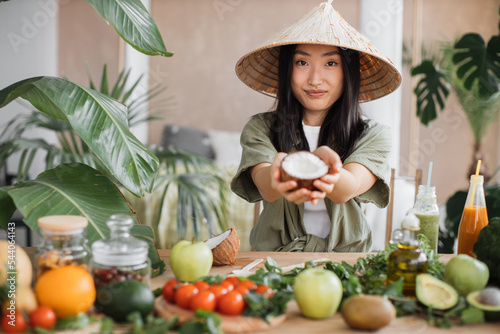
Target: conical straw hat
point(258, 69)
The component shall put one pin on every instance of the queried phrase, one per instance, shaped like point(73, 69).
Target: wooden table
point(295, 323)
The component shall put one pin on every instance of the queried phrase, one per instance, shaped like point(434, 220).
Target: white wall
point(28, 48)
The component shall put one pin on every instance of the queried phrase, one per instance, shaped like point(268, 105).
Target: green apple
point(318, 292)
point(190, 260)
point(466, 274)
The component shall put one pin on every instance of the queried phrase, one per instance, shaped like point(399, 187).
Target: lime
point(466, 274)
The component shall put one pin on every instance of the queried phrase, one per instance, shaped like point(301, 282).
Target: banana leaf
point(72, 189)
point(134, 24)
point(100, 121)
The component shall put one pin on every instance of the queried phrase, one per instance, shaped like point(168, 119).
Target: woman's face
point(317, 78)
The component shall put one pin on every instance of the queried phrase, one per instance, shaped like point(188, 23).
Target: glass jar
point(121, 256)
point(427, 210)
point(63, 243)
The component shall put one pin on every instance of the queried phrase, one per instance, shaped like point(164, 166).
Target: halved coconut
point(303, 167)
point(225, 247)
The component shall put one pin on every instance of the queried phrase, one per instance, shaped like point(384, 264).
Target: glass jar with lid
point(63, 243)
point(121, 256)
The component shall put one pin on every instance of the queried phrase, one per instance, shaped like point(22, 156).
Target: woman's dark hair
point(342, 126)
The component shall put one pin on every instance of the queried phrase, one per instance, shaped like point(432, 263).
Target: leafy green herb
point(157, 292)
point(153, 325)
point(106, 326)
point(81, 320)
point(203, 322)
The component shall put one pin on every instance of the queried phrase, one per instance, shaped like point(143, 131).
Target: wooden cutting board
point(229, 324)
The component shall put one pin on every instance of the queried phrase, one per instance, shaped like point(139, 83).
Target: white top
point(316, 219)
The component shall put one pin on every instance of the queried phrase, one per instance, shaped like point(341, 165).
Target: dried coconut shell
point(225, 247)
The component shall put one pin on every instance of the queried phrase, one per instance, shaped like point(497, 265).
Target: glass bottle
point(121, 256)
point(407, 261)
point(427, 210)
point(474, 217)
point(63, 243)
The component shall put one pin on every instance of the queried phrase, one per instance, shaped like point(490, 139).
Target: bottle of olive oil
point(407, 261)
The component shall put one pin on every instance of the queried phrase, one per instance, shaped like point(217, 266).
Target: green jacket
point(280, 226)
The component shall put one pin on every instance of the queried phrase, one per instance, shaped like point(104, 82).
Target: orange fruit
point(68, 290)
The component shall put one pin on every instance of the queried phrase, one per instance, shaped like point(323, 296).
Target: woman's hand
point(288, 189)
point(327, 183)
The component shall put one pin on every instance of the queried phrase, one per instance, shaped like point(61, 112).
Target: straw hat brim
point(323, 25)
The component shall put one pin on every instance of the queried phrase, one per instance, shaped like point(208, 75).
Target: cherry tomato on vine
point(248, 284)
point(243, 290)
point(43, 317)
point(168, 290)
point(204, 300)
point(184, 294)
point(233, 279)
point(231, 303)
point(218, 290)
point(264, 290)
point(14, 323)
point(227, 284)
point(201, 285)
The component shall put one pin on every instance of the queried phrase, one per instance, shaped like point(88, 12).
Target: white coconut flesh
point(215, 241)
point(304, 165)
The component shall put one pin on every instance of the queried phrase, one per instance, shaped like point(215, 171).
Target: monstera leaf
point(431, 89)
point(133, 23)
point(476, 61)
point(100, 121)
point(71, 189)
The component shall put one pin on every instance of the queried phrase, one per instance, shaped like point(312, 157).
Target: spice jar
point(121, 256)
point(63, 243)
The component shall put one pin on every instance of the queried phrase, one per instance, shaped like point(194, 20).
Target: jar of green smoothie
point(426, 209)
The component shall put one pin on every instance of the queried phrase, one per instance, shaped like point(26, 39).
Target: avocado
point(119, 299)
point(487, 300)
point(435, 293)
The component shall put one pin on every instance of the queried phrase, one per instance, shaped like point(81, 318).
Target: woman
point(318, 80)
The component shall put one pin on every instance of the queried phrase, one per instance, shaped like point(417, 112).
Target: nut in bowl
point(303, 167)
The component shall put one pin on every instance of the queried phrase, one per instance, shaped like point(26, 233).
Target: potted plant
point(471, 68)
point(112, 158)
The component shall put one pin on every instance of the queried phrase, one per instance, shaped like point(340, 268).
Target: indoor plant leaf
point(431, 89)
point(7, 208)
point(476, 61)
point(100, 121)
point(72, 189)
point(134, 24)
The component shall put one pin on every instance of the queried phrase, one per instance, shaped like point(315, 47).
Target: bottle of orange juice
point(474, 217)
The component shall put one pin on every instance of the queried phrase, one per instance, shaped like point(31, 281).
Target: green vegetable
point(486, 248)
point(118, 299)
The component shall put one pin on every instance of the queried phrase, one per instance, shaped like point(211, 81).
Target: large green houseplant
point(121, 160)
point(471, 68)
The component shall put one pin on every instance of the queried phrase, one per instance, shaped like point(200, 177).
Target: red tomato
point(250, 285)
point(233, 279)
point(204, 300)
point(264, 290)
point(168, 290)
point(218, 290)
point(14, 323)
point(43, 316)
point(201, 285)
point(184, 294)
point(227, 284)
point(231, 303)
point(243, 290)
